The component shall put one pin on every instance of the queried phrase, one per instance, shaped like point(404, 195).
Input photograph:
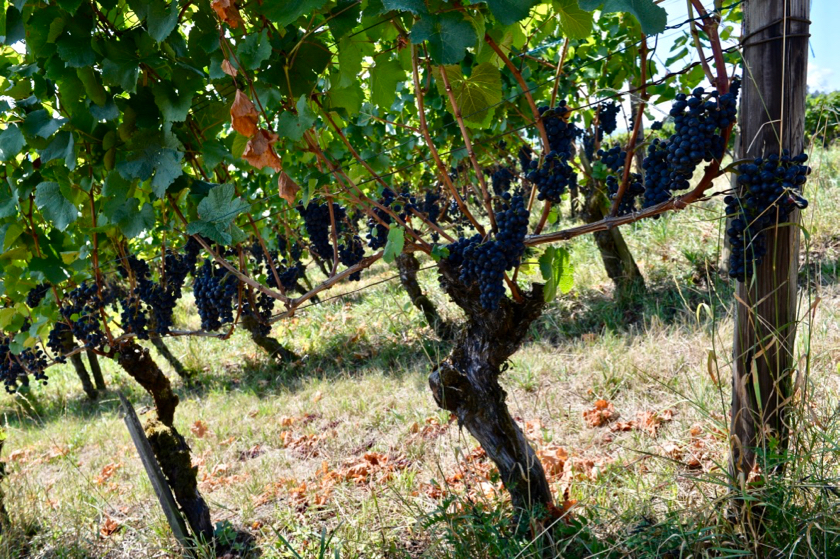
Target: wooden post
point(772, 118)
point(147, 456)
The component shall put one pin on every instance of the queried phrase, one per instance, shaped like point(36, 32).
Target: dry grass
point(350, 440)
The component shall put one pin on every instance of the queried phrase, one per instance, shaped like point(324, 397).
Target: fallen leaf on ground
point(109, 527)
point(199, 429)
point(107, 471)
point(603, 413)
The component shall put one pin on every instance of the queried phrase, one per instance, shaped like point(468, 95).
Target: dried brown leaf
point(227, 12)
point(229, 68)
point(243, 115)
point(199, 429)
point(260, 153)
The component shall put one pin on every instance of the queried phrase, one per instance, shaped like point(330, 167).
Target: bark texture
point(96, 371)
point(173, 455)
point(173, 361)
point(271, 345)
point(467, 384)
point(408, 266)
point(772, 117)
point(137, 362)
point(81, 372)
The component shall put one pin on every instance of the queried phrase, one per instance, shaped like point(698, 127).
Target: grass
point(346, 453)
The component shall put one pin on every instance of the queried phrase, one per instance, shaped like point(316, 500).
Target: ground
point(626, 402)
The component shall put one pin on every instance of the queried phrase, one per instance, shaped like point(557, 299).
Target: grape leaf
point(11, 142)
point(161, 19)
point(291, 125)
point(416, 7)
point(574, 22)
point(557, 271)
point(351, 52)
point(216, 213)
point(8, 203)
point(254, 50)
point(62, 146)
point(76, 51)
point(164, 163)
point(476, 95)
point(394, 245)
point(131, 221)
point(283, 13)
point(509, 12)
point(384, 78)
point(344, 17)
point(40, 123)
point(652, 18)
point(54, 205)
point(449, 36)
point(121, 66)
point(349, 98)
point(174, 106)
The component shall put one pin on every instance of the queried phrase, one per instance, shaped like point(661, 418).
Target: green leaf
point(40, 123)
point(509, 12)
point(54, 205)
point(50, 269)
point(11, 142)
point(8, 203)
point(384, 78)
point(449, 36)
point(6, 316)
point(291, 125)
point(574, 22)
point(349, 98)
point(121, 66)
point(161, 19)
point(61, 147)
point(350, 55)
point(476, 95)
point(416, 7)
point(683, 52)
point(70, 5)
point(344, 17)
point(557, 271)
point(652, 18)
point(75, 51)
point(131, 221)
point(439, 252)
point(10, 235)
point(210, 230)
point(284, 12)
point(165, 163)
point(220, 207)
point(254, 50)
point(394, 246)
point(174, 106)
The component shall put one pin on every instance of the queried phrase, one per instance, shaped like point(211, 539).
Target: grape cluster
point(57, 340)
point(771, 188)
point(613, 158)
point(607, 123)
point(214, 290)
point(485, 263)
point(36, 295)
point(263, 307)
point(316, 219)
point(80, 309)
point(378, 233)
point(635, 189)
point(553, 177)
point(501, 179)
point(14, 368)
point(133, 317)
point(350, 254)
point(561, 133)
point(525, 155)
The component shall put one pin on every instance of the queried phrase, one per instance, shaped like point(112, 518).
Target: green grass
point(362, 388)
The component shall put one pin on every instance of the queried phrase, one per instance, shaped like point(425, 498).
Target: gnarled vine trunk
point(173, 361)
point(466, 383)
point(78, 366)
point(408, 266)
point(618, 261)
point(170, 447)
point(271, 345)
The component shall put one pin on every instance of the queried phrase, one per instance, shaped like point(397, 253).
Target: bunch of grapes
point(501, 179)
point(36, 295)
point(635, 189)
point(133, 317)
point(561, 133)
point(351, 253)
point(263, 307)
point(81, 309)
point(57, 340)
point(657, 174)
point(485, 263)
point(771, 188)
point(378, 233)
point(607, 123)
point(525, 155)
point(214, 290)
point(316, 219)
point(14, 368)
point(553, 177)
point(613, 158)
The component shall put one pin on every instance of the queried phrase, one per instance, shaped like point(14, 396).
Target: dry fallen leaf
point(107, 472)
point(227, 12)
point(288, 188)
point(109, 527)
point(260, 153)
point(228, 68)
point(601, 414)
point(243, 115)
point(199, 429)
